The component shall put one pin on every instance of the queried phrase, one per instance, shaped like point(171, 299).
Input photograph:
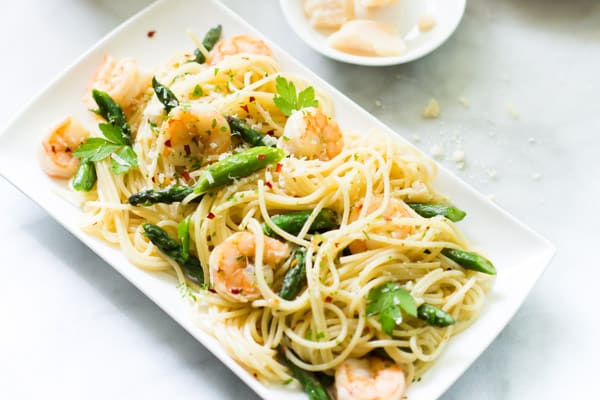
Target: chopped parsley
point(198, 92)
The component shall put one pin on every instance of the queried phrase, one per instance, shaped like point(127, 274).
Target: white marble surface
point(72, 328)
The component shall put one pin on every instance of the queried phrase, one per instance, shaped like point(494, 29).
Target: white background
point(72, 328)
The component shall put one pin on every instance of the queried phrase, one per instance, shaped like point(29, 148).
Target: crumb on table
point(432, 109)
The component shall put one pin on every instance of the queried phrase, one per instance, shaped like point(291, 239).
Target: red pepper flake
point(300, 321)
point(235, 290)
point(153, 179)
point(337, 245)
point(387, 218)
point(212, 290)
point(210, 215)
point(328, 299)
point(187, 149)
point(53, 149)
point(271, 132)
point(151, 34)
point(279, 167)
point(251, 99)
point(255, 375)
point(168, 142)
point(245, 108)
point(261, 156)
point(186, 175)
point(269, 185)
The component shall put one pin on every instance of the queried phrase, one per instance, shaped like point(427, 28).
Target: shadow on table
point(134, 304)
point(526, 342)
point(578, 18)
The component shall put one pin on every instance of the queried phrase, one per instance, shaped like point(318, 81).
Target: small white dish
point(403, 16)
point(520, 254)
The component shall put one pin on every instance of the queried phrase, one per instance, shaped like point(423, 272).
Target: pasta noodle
point(368, 184)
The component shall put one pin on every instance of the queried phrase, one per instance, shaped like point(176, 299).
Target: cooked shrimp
point(232, 265)
point(56, 154)
point(369, 379)
point(394, 209)
point(193, 133)
point(310, 133)
point(236, 45)
point(122, 80)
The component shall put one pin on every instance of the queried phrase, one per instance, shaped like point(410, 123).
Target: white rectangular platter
point(488, 227)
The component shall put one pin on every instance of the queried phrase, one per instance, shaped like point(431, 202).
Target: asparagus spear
point(171, 248)
point(431, 210)
point(249, 135)
point(434, 316)
point(293, 222)
point(85, 177)
point(216, 175)
point(165, 95)
point(295, 277)
point(112, 112)
point(237, 166)
point(313, 388)
point(183, 234)
point(169, 195)
point(210, 39)
point(470, 260)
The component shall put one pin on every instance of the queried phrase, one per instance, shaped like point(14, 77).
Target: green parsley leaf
point(286, 99)
point(95, 149)
point(389, 300)
point(306, 98)
point(123, 160)
point(183, 233)
point(112, 133)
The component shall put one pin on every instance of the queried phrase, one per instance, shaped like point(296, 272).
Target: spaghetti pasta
point(365, 178)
